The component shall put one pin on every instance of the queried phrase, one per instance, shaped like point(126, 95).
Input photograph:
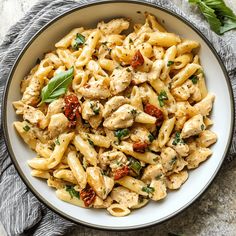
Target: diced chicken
point(139, 77)
point(125, 197)
point(205, 105)
point(99, 203)
point(113, 104)
point(57, 125)
point(152, 172)
point(174, 181)
point(92, 112)
point(198, 156)
point(206, 138)
point(120, 80)
point(115, 26)
point(140, 133)
point(168, 159)
point(193, 126)
point(159, 190)
point(180, 147)
point(113, 158)
point(121, 118)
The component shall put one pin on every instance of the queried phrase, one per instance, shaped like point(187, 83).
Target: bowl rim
point(7, 138)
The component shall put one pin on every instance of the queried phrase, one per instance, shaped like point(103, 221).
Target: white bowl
point(217, 82)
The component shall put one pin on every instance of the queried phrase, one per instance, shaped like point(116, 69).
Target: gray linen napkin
point(20, 212)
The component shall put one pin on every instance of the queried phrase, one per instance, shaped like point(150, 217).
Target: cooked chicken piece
point(121, 118)
point(178, 145)
point(113, 104)
point(112, 158)
point(125, 197)
point(206, 138)
point(198, 156)
point(115, 26)
point(152, 172)
point(58, 124)
point(120, 80)
point(159, 188)
point(205, 105)
point(168, 159)
point(174, 181)
point(193, 126)
point(92, 112)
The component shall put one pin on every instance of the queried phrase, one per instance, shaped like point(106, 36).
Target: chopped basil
point(91, 142)
point(151, 137)
point(72, 192)
point(26, 128)
point(130, 40)
point(177, 139)
point(135, 165)
point(57, 142)
point(169, 63)
point(173, 160)
point(162, 97)
point(194, 79)
point(79, 40)
point(121, 133)
point(133, 112)
point(148, 189)
point(128, 70)
point(202, 127)
point(158, 177)
point(95, 108)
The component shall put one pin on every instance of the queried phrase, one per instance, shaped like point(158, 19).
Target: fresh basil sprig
point(220, 17)
point(57, 86)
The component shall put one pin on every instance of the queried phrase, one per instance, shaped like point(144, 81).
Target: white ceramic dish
point(199, 179)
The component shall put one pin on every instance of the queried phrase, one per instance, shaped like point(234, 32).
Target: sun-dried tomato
point(137, 60)
point(154, 111)
point(87, 195)
point(71, 109)
point(140, 146)
point(121, 172)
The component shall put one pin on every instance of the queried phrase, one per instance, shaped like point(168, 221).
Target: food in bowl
point(117, 120)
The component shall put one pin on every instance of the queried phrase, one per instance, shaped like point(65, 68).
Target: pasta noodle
point(116, 120)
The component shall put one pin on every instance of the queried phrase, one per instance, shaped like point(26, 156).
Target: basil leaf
point(162, 97)
point(26, 128)
point(57, 142)
point(57, 86)
point(151, 137)
point(148, 189)
point(72, 192)
point(169, 63)
point(177, 139)
point(194, 79)
point(121, 133)
point(220, 17)
point(79, 40)
point(135, 165)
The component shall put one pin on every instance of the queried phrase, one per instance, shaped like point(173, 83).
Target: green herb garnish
point(135, 165)
point(79, 40)
point(128, 70)
point(158, 177)
point(130, 40)
point(91, 142)
point(202, 127)
point(121, 133)
point(151, 137)
point(162, 97)
point(148, 189)
point(173, 161)
point(26, 128)
point(194, 79)
point(95, 108)
point(220, 17)
point(177, 139)
point(57, 142)
point(169, 63)
point(133, 112)
point(72, 192)
point(57, 86)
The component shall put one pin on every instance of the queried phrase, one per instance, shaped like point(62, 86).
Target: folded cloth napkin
point(20, 212)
